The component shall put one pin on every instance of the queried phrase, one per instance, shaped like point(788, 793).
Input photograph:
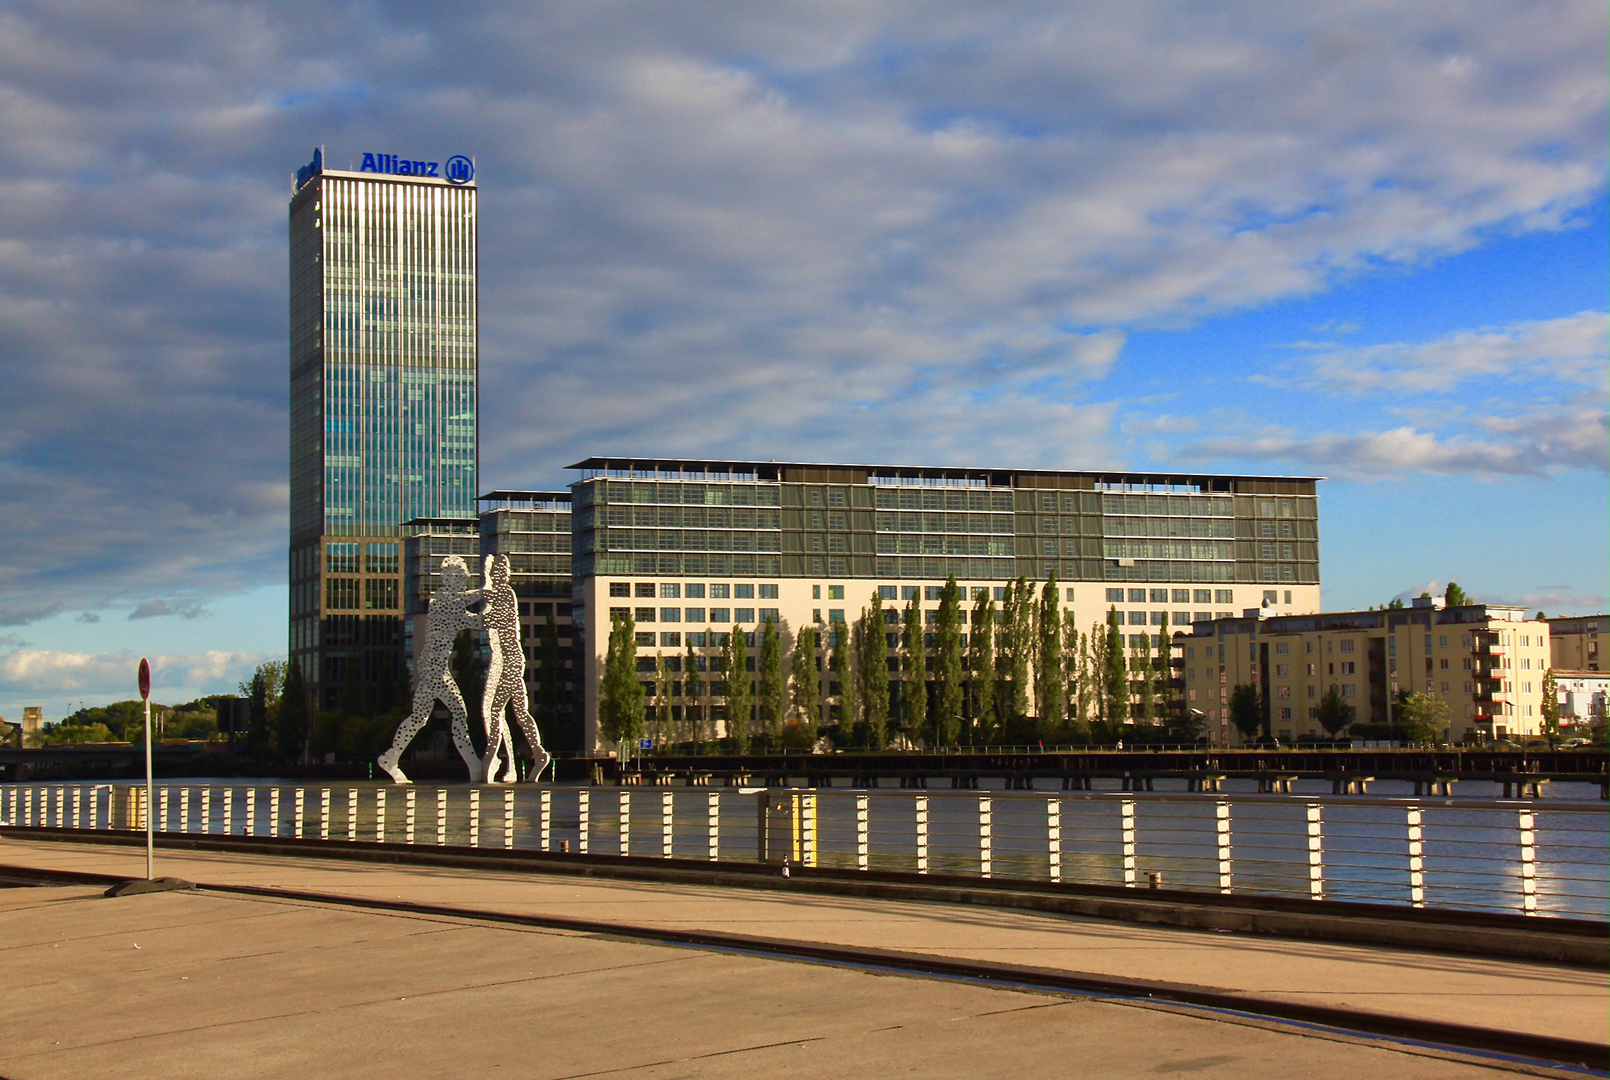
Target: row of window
point(693, 590)
point(715, 615)
point(1180, 596)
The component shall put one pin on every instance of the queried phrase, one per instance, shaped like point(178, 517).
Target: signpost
point(150, 837)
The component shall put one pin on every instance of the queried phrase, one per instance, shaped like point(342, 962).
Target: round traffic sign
point(145, 680)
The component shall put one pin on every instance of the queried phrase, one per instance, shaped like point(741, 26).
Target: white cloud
point(25, 671)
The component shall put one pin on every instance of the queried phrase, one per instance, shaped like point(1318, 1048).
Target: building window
point(743, 615)
point(696, 640)
point(1270, 596)
point(933, 592)
point(644, 614)
point(619, 613)
point(671, 614)
point(1137, 596)
point(380, 594)
point(816, 592)
point(743, 592)
point(887, 592)
point(768, 592)
point(720, 615)
point(1348, 690)
point(1347, 645)
point(1224, 596)
point(620, 588)
point(835, 592)
point(670, 639)
point(720, 592)
point(1137, 618)
point(670, 590)
point(1159, 617)
point(1115, 596)
point(1180, 618)
point(1159, 596)
point(835, 615)
point(645, 590)
point(769, 614)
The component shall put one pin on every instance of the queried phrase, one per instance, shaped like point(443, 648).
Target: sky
point(1362, 241)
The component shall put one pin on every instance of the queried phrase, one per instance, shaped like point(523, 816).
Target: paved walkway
point(224, 985)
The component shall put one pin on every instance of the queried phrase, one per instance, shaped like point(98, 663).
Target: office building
point(691, 548)
point(1486, 661)
point(1574, 642)
point(383, 334)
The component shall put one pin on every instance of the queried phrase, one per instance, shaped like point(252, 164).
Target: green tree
point(772, 698)
point(1145, 682)
point(1334, 711)
point(1168, 706)
point(805, 678)
point(620, 704)
point(948, 666)
point(916, 670)
point(740, 691)
point(295, 719)
point(1074, 651)
point(1114, 675)
point(1246, 710)
point(1454, 596)
point(664, 684)
point(1551, 707)
point(1050, 689)
point(1423, 718)
point(875, 676)
point(842, 666)
point(692, 688)
point(981, 667)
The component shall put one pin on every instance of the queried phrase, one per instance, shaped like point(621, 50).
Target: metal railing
point(1481, 855)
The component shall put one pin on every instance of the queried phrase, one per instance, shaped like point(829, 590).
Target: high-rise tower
point(383, 336)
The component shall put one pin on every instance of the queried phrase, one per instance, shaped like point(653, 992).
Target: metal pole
point(150, 836)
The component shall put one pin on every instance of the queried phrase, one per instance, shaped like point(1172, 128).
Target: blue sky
point(1342, 240)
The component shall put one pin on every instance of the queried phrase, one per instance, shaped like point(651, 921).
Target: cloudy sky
point(1360, 240)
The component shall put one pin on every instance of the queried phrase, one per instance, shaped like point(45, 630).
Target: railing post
point(441, 816)
point(584, 799)
point(184, 810)
point(922, 834)
point(475, 817)
point(300, 812)
point(78, 808)
point(667, 822)
point(352, 815)
point(1417, 876)
point(862, 832)
point(713, 824)
point(380, 815)
point(324, 813)
point(274, 812)
point(162, 811)
point(1053, 838)
point(625, 805)
point(1316, 853)
point(410, 803)
point(206, 811)
point(807, 828)
point(986, 836)
point(251, 811)
point(229, 811)
point(1528, 838)
point(508, 818)
point(544, 820)
point(1126, 825)
point(1221, 815)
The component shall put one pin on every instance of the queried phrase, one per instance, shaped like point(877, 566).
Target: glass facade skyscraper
point(383, 336)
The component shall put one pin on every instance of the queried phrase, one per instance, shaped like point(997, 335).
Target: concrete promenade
point(219, 984)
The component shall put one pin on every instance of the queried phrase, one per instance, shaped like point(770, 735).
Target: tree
point(691, 688)
point(1246, 710)
point(981, 663)
point(1551, 707)
point(805, 678)
point(1423, 718)
point(772, 698)
point(620, 705)
point(295, 708)
point(916, 681)
point(661, 732)
point(1049, 687)
point(1020, 655)
point(1334, 711)
point(259, 722)
point(842, 665)
point(1147, 713)
point(875, 676)
point(1169, 706)
point(1114, 675)
point(1454, 596)
point(740, 692)
point(1075, 663)
point(948, 666)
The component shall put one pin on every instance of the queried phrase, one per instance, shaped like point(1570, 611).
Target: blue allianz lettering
point(459, 169)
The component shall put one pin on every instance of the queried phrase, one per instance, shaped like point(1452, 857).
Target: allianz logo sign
point(457, 169)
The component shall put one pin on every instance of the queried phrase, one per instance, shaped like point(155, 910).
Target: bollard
point(274, 813)
point(862, 832)
point(1528, 838)
point(441, 816)
point(324, 813)
point(1221, 814)
point(409, 801)
point(184, 810)
point(380, 815)
point(299, 804)
point(713, 824)
point(986, 835)
point(475, 817)
point(667, 823)
point(922, 833)
point(1417, 877)
point(625, 804)
point(584, 799)
point(1053, 838)
point(508, 817)
point(1316, 854)
point(352, 815)
point(251, 811)
point(1126, 825)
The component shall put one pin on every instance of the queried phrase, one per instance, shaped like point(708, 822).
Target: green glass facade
point(383, 333)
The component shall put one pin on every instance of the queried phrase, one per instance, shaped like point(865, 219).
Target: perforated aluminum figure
point(505, 677)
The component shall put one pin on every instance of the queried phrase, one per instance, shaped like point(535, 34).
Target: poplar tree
point(805, 678)
point(875, 675)
point(771, 698)
point(1049, 688)
point(740, 698)
point(621, 699)
point(948, 666)
point(661, 731)
point(981, 657)
point(691, 713)
point(1551, 699)
point(1165, 674)
point(1021, 654)
point(849, 678)
point(1114, 676)
point(1143, 664)
point(1072, 679)
point(1005, 650)
point(916, 664)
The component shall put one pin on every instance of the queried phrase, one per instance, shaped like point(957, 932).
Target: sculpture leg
point(528, 725)
point(389, 760)
point(461, 730)
point(499, 765)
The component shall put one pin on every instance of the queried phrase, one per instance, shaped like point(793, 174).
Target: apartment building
point(692, 548)
point(1486, 661)
point(1574, 642)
